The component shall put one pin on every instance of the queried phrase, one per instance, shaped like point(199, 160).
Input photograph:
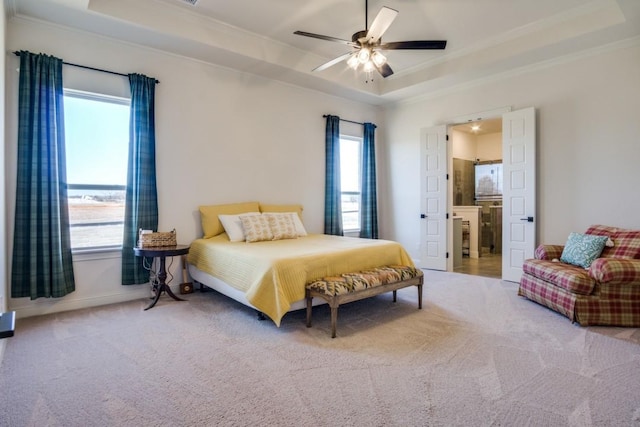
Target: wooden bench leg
point(309, 305)
point(335, 300)
point(334, 318)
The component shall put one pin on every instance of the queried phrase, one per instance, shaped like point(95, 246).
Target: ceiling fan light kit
point(378, 58)
point(368, 45)
point(363, 55)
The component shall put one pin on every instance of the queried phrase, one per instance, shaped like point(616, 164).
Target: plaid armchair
point(607, 293)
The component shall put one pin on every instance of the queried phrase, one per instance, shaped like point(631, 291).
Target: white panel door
point(433, 192)
point(519, 191)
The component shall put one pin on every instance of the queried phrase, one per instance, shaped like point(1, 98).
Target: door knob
point(423, 216)
point(528, 219)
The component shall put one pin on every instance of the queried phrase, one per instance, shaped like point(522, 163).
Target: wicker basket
point(157, 239)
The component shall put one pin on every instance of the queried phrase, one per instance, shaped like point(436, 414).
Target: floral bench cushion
point(352, 282)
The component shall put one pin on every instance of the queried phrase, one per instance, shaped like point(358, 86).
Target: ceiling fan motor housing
point(356, 37)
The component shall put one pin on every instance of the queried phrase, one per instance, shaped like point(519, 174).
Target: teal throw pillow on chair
point(582, 249)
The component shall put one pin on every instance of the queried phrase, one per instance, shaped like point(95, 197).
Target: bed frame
point(205, 279)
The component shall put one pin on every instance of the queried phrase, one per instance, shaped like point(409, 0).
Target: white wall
point(3, 236)
point(472, 147)
point(489, 146)
point(221, 136)
point(463, 145)
point(588, 142)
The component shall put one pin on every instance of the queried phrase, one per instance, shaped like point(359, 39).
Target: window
point(488, 181)
point(97, 140)
point(350, 173)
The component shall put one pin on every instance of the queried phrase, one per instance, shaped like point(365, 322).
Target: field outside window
point(97, 138)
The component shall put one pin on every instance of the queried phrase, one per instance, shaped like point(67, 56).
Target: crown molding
point(527, 69)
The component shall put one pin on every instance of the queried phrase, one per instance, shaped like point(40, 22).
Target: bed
point(270, 275)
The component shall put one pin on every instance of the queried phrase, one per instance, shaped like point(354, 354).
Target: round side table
point(162, 252)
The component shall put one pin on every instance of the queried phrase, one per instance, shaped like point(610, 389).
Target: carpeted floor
point(476, 355)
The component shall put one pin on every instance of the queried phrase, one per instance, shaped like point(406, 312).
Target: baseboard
point(3, 344)
point(46, 307)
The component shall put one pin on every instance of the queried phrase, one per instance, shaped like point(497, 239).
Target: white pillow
point(300, 230)
point(233, 226)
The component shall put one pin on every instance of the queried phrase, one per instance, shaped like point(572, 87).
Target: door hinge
point(447, 137)
point(447, 177)
point(447, 216)
point(447, 254)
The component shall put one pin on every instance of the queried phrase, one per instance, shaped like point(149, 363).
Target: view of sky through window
point(350, 164)
point(350, 152)
point(96, 139)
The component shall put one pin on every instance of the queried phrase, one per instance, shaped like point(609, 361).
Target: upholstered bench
point(350, 287)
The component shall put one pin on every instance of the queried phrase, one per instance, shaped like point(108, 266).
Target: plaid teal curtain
point(332, 188)
point(42, 262)
point(141, 202)
point(368, 195)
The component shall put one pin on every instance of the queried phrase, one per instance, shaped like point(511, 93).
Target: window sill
point(91, 254)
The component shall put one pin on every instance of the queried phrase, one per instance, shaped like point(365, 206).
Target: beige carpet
point(476, 355)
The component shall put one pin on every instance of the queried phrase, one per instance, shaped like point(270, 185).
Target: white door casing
point(433, 198)
point(519, 191)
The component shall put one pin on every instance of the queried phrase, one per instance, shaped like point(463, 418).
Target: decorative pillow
point(282, 225)
point(582, 249)
point(282, 209)
point(233, 226)
point(211, 225)
point(297, 222)
point(300, 230)
point(256, 228)
point(626, 243)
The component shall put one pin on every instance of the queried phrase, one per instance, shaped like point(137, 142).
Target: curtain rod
point(345, 120)
point(16, 53)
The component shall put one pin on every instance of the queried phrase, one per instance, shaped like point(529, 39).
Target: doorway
point(476, 195)
point(438, 251)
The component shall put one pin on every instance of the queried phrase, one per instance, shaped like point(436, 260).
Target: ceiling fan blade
point(380, 24)
point(416, 44)
point(332, 62)
point(328, 38)
point(384, 70)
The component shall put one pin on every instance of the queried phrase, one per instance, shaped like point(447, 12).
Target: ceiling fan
point(368, 44)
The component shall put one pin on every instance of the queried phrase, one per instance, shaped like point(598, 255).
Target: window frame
point(358, 193)
point(104, 98)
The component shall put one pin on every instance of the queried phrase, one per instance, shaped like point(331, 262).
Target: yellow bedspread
point(273, 274)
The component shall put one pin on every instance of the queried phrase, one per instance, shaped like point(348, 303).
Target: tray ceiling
point(485, 38)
